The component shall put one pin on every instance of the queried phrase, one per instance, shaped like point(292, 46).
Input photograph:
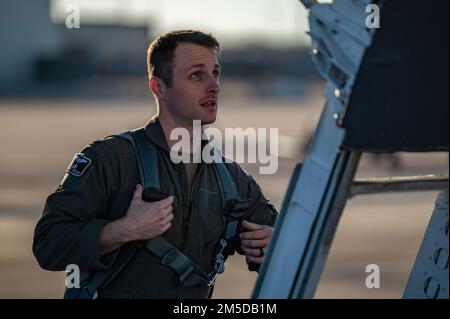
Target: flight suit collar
point(155, 133)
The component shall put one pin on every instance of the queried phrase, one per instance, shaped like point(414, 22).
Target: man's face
point(195, 84)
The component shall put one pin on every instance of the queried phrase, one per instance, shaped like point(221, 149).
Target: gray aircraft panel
point(429, 277)
point(301, 213)
point(320, 186)
point(324, 163)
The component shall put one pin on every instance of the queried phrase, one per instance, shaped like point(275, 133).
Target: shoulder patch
point(77, 173)
point(79, 165)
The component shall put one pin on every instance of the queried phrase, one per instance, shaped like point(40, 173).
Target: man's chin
point(207, 122)
point(209, 119)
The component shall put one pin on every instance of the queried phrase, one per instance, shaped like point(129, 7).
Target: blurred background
point(61, 88)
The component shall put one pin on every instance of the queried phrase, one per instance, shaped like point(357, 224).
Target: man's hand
point(254, 241)
point(146, 220)
point(143, 220)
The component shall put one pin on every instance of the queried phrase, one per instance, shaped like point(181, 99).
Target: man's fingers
point(166, 223)
point(256, 234)
point(252, 226)
point(251, 251)
point(166, 211)
point(167, 219)
point(255, 243)
point(163, 213)
point(166, 202)
point(166, 227)
point(256, 260)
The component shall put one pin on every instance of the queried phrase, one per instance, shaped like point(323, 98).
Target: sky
point(277, 22)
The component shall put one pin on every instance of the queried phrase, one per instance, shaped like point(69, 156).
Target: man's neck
point(168, 124)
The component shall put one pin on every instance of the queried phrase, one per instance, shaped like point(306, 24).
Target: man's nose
point(213, 85)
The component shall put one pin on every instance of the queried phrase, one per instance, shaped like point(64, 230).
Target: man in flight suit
point(98, 211)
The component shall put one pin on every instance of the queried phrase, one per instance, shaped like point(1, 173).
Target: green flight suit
point(100, 189)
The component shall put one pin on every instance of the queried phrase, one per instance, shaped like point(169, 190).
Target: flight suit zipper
point(189, 208)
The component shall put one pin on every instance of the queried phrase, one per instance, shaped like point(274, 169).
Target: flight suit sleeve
point(69, 230)
point(261, 211)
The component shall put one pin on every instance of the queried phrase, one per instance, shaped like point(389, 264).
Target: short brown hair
point(161, 51)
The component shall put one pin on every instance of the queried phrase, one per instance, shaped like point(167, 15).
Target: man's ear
point(158, 87)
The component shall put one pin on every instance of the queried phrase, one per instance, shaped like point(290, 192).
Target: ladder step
point(378, 185)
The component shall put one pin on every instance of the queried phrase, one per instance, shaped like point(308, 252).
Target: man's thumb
point(138, 192)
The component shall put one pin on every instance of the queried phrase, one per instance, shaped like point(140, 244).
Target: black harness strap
point(146, 157)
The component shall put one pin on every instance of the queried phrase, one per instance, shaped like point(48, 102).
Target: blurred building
point(35, 50)
point(42, 58)
point(95, 50)
point(26, 33)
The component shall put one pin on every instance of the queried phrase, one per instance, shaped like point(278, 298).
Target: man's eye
point(216, 74)
point(196, 75)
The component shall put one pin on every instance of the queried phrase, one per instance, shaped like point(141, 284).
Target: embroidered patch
point(79, 165)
